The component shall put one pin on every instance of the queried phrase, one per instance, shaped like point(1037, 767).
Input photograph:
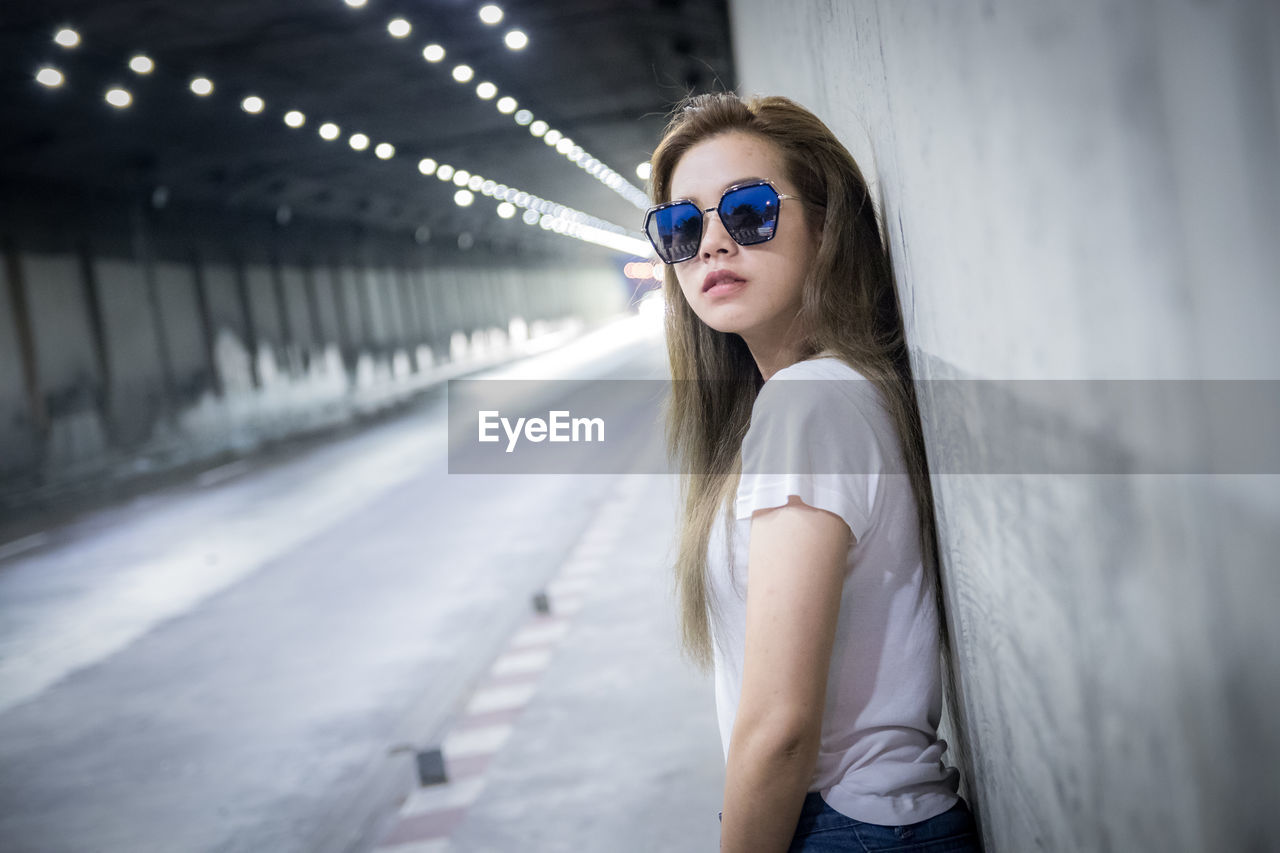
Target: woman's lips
point(721, 281)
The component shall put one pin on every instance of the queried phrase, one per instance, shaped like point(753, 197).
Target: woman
point(820, 612)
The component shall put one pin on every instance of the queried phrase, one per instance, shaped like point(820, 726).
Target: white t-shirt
point(833, 445)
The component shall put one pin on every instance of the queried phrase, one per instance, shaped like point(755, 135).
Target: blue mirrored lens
point(750, 214)
point(675, 232)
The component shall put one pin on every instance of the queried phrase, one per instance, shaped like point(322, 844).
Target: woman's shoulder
point(835, 393)
point(825, 387)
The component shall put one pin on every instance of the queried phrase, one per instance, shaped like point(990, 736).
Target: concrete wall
point(1084, 191)
point(182, 357)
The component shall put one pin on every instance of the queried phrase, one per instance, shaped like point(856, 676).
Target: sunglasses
point(748, 212)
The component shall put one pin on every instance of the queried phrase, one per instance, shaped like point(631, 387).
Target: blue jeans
point(822, 829)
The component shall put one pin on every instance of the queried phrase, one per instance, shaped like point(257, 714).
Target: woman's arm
point(795, 573)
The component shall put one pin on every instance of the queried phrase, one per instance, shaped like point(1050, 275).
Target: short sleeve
point(810, 439)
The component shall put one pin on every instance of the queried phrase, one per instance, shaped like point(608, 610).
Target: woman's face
point(758, 294)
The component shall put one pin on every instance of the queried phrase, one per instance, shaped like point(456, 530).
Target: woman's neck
point(769, 360)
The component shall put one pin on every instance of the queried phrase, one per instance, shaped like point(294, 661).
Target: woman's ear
point(819, 226)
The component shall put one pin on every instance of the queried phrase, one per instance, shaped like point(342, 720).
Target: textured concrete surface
point(1081, 191)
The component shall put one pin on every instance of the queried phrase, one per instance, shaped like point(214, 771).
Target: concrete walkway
point(589, 732)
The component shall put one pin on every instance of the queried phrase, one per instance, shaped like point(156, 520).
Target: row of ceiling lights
point(538, 211)
point(516, 40)
point(551, 216)
point(401, 28)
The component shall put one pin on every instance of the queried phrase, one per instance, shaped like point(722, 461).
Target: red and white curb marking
point(429, 815)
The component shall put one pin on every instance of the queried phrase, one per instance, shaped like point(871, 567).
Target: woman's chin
point(724, 323)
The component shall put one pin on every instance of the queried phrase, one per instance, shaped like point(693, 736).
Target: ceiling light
point(463, 198)
point(490, 14)
point(552, 137)
point(358, 141)
point(475, 184)
point(538, 128)
point(426, 165)
point(202, 86)
point(506, 105)
point(461, 177)
point(399, 27)
point(384, 151)
point(486, 91)
point(516, 40)
point(293, 118)
point(643, 171)
point(524, 117)
point(506, 210)
point(50, 77)
point(488, 187)
point(530, 217)
point(329, 131)
point(252, 104)
point(433, 53)
point(141, 64)
point(356, 4)
point(119, 98)
point(565, 145)
point(463, 73)
point(444, 172)
point(67, 37)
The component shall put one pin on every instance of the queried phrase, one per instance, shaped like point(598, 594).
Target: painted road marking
point(19, 546)
point(486, 739)
point(536, 635)
point(515, 663)
point(501, 698)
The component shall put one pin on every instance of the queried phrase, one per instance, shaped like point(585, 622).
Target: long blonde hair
point(849, 305)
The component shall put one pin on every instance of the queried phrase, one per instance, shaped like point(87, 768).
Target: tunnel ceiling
point(603, 72)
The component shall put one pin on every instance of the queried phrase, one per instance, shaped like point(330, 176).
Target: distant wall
point(119, 341)
point(1080, 191)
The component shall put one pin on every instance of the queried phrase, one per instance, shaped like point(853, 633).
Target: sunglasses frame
point(702, 216)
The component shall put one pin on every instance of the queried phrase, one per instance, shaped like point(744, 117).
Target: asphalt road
point(225, 664)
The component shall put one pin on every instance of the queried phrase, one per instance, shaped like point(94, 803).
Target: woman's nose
point(714, 238)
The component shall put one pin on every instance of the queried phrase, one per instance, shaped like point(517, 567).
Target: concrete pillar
point(25, 335)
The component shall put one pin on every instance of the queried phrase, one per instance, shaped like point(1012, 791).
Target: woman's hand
point(795, 574)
